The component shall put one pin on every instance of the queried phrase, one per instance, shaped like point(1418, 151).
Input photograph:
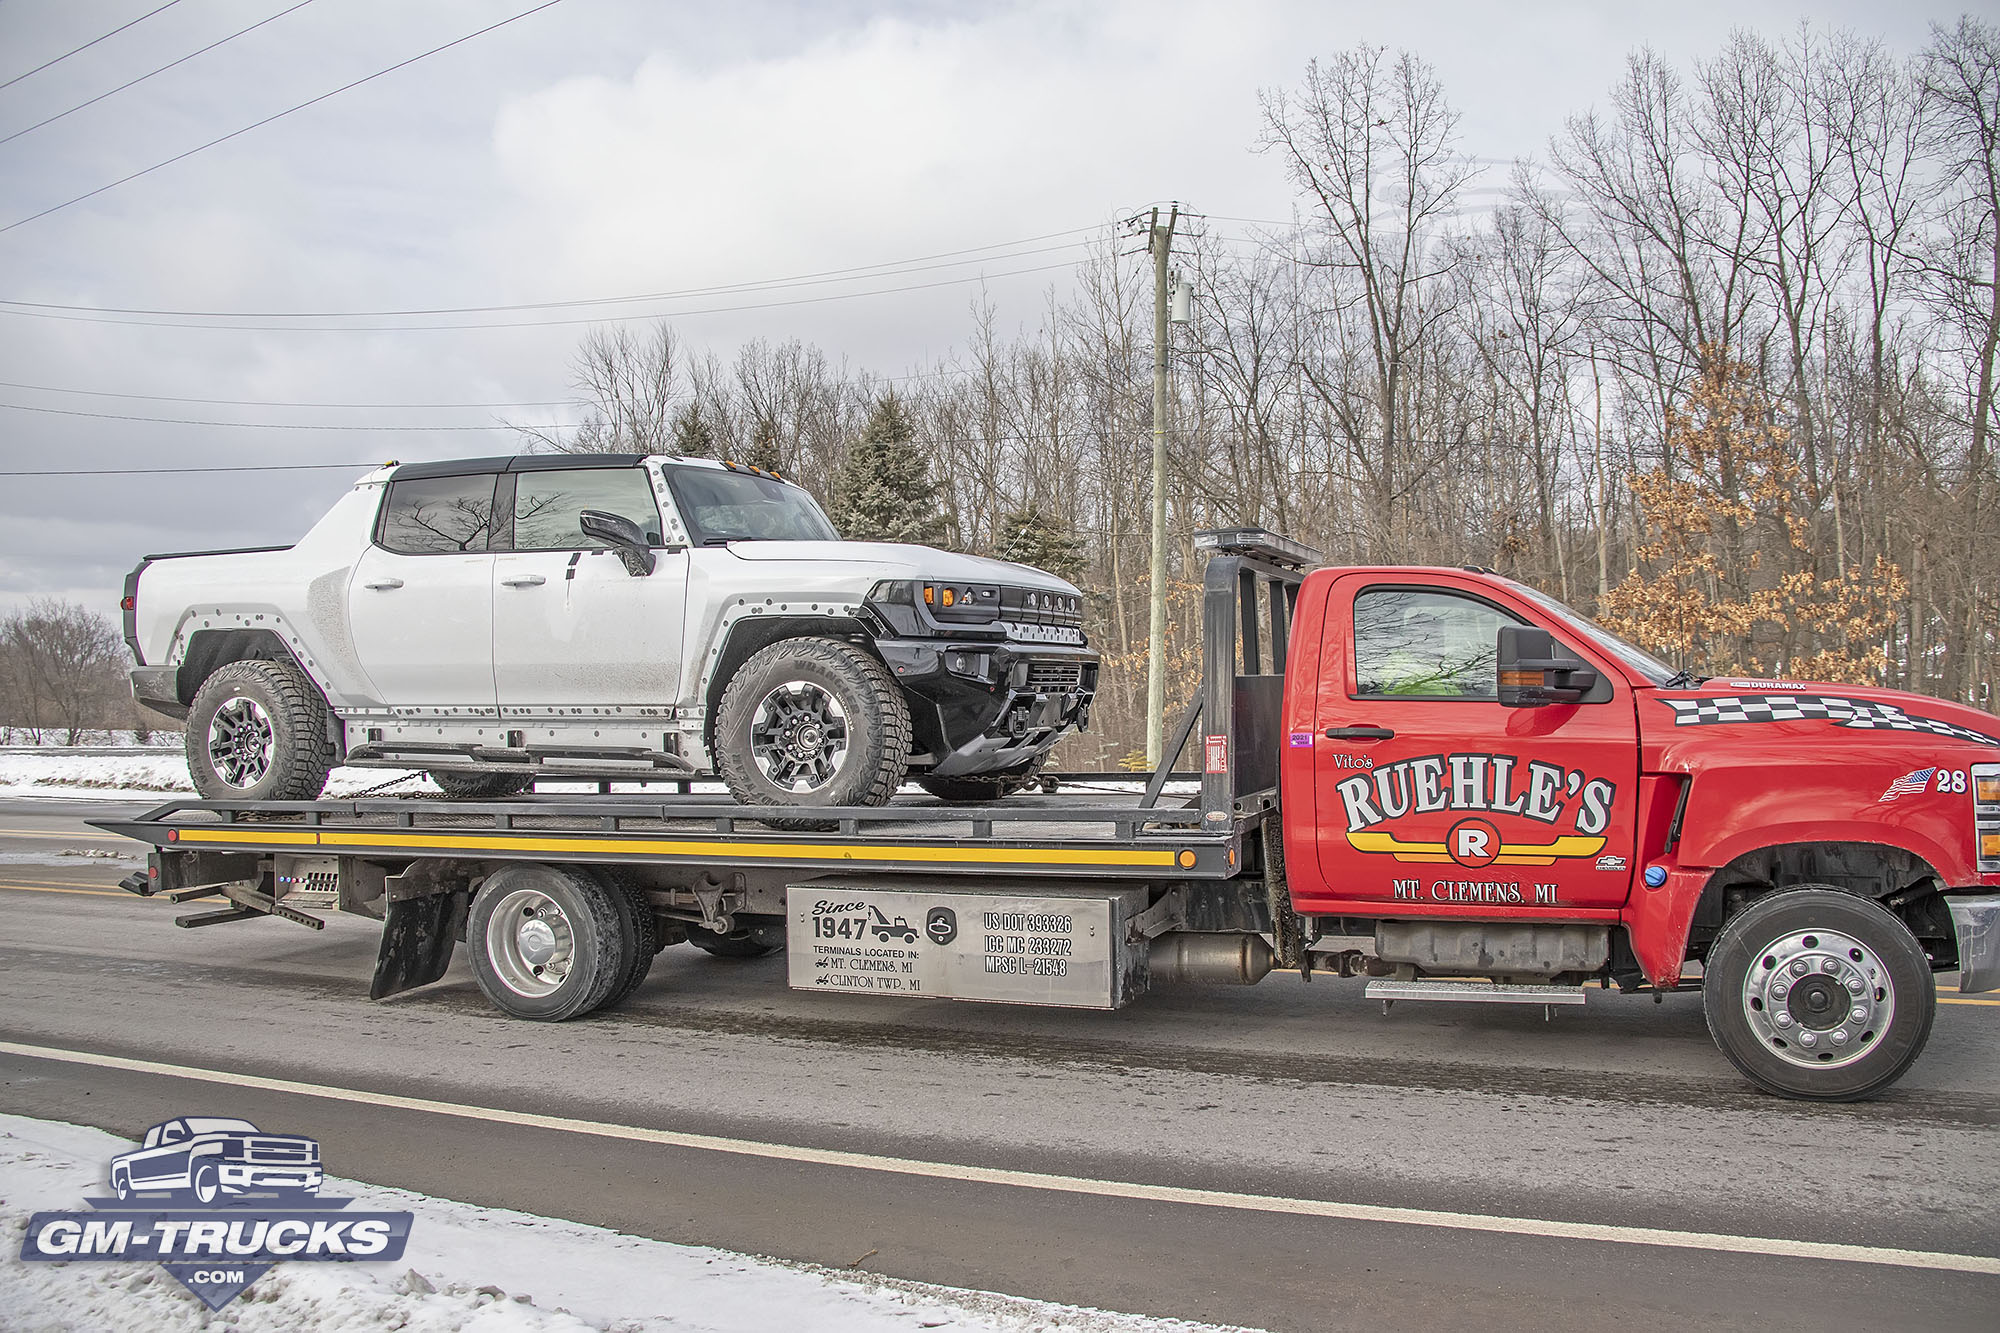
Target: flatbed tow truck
point(1435, 779)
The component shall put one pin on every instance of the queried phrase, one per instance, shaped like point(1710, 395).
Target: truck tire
point(480, 786)
point(636, 918)
point(547, 943)
point(1818, 994)
point(207, 1184)
point(258, 731)
point(727, 946)
point(812, 722)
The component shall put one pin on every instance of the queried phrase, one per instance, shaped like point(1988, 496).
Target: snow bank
point(480, 1270)
point(139, 776)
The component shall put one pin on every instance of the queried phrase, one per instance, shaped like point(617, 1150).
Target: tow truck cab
point(1459, 747)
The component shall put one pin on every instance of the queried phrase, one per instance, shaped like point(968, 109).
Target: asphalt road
point(1221, 1154)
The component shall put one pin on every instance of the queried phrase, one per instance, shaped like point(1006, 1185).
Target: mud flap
point(417, 939)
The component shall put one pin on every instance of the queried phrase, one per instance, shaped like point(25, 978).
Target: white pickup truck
point(496, 620)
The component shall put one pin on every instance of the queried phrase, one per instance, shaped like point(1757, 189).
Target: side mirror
point(622, 535)
point(1534, 672)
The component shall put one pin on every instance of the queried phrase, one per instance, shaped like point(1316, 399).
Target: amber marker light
point(1989, 845)
point(1986, 790)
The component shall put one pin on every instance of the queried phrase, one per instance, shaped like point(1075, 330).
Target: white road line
point(1112, 1189)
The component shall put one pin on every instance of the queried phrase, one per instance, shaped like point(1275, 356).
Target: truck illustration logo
point(208, 1157)
point(886, 930)
point(216, 1202)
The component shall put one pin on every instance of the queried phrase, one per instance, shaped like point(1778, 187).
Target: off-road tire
point(875, 717)
point(727, 946)
point(205, 1184)
point(481, 786)
point(301, 746)
point(595, 958)
point(982, 789)
point(643, 924)
point(1789, 926)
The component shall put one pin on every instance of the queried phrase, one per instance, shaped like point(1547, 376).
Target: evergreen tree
point(764, 451)
point(692, 436)
point(884, 491)
point(1031, 537)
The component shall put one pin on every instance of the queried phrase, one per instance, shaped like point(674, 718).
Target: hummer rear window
point(433, 515)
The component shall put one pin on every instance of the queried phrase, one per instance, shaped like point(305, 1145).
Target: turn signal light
point(1986, 790)
point(1989, 846)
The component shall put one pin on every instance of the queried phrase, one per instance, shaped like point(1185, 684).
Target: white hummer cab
point(499, 620)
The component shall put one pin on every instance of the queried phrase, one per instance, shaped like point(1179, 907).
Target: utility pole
point(1160, 242)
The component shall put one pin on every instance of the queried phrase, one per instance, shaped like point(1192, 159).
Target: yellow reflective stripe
point(673, 847)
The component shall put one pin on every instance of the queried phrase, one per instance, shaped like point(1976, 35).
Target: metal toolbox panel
point(1064, 949)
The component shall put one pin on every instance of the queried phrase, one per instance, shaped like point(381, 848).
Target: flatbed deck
point(1095, 833)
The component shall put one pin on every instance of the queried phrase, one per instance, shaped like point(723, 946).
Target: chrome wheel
point(1818, 999)
point(798, 736)
point(530, 942)
point(241, 741)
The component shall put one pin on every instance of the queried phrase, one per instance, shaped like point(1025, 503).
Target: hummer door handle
point(383, 585)
point(1359, 734)
point(525, 581)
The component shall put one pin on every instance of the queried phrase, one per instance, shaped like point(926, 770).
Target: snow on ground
point(479, 1270)
point(139, 776)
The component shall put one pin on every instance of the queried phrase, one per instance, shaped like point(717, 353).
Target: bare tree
point(65, 659)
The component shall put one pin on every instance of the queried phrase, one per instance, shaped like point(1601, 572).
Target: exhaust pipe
point(1213, 960)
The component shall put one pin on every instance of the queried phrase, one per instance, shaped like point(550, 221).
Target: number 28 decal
point(1950, 779)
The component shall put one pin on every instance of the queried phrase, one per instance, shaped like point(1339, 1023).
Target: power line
point(150, 73)
point(258, 402)
point(92, 42)
point(898, 267)
point(260, 425)
point(178, 157)
point(171, 471)
point(540, 323)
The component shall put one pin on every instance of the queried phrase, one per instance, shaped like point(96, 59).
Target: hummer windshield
point(721, 506)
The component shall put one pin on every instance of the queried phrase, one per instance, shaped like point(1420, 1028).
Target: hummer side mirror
point(622, 535)
point(1533, 671)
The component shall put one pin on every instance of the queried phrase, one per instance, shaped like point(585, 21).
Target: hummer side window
point(1416, 643)
point(432, 515)
point(547, 506)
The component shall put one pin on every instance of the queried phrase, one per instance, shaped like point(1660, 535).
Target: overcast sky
point(604, 148)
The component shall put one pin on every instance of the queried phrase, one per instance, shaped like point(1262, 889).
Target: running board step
point(1474, 992)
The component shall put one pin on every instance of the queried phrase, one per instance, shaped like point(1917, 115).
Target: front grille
point(271, 1151)
point(1054, 677)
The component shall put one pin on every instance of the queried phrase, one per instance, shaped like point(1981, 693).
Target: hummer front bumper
point(982, 706)
point(1977, 923)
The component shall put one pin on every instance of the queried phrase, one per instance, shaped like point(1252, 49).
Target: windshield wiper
point(1682, 680)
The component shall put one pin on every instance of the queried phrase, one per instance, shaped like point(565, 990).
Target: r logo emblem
point(1473, 842)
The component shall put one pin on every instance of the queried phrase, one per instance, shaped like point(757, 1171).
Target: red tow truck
point(1438, 780)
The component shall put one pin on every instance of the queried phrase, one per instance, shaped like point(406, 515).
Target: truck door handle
point(525, 581)
point(383, 585)
point(1359, 734)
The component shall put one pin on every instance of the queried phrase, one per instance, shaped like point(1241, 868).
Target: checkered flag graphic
point(1858, 714)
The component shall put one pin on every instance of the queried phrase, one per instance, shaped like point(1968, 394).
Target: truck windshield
point(1641, 661)
point(720, 506)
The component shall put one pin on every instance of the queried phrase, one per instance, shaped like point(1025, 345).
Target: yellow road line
point(1137, 1191)
point(1958, 1000)
point(47, 888)
point(804, 851)
point(70, 884)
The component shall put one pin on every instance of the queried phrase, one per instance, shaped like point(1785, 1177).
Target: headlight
point(962, 603)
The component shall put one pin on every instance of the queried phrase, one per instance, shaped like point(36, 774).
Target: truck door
point(421, 599)
point(1429, 793)
point(572, 630)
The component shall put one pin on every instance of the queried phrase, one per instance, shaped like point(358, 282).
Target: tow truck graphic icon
point(886, 930)
point(207, 1157)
